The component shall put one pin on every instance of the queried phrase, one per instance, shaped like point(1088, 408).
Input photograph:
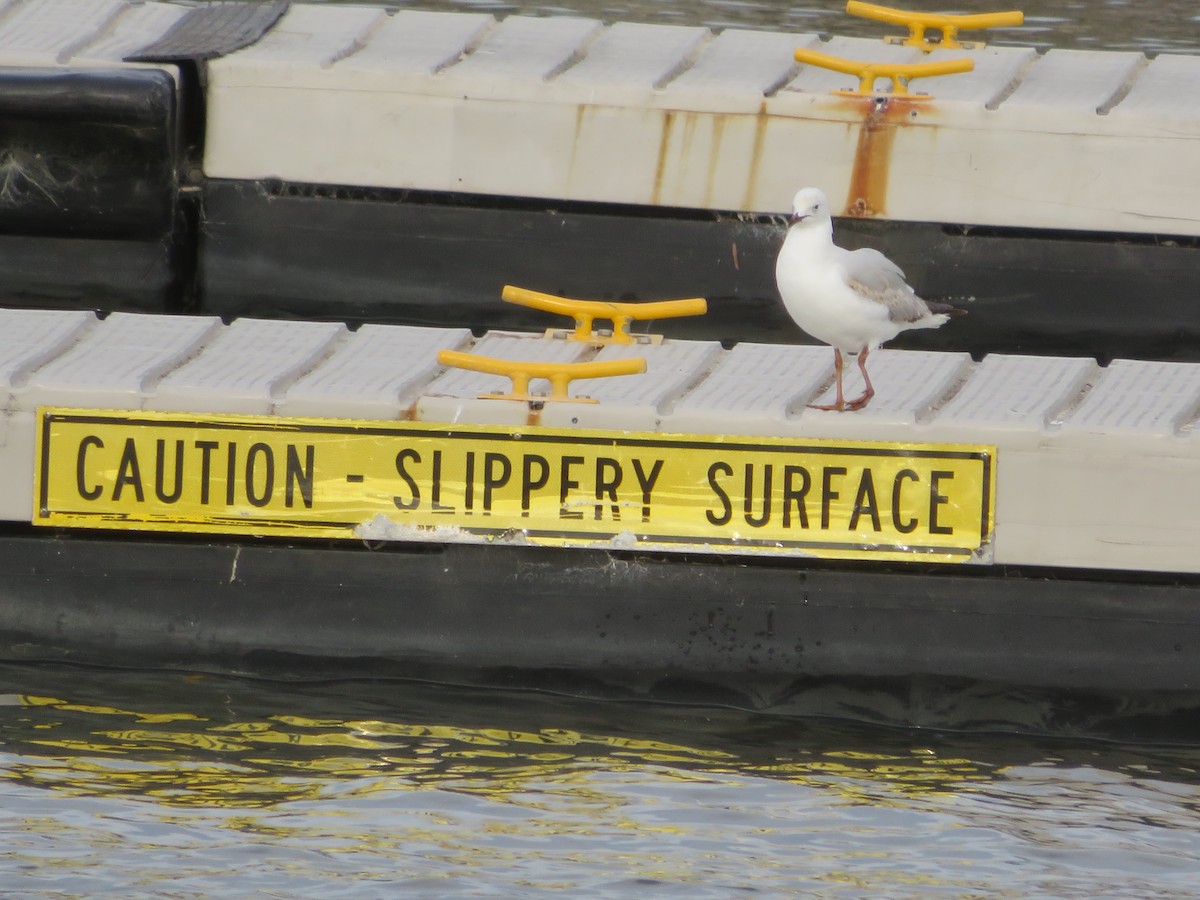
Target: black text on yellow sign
point(340, 478)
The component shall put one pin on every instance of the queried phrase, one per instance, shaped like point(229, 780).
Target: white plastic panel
point(30, 338)
point(416, 42)
point(753, 389)
point(735, 70)
point(907, 386)
point(1017, 391)
point(137, 27)
point(686, 115)
point(1046, 173)
point(1098, 507)
point(670, 368)
point(1073, 81)
point(312, 35)
point(636, 402)
point(1104, 490)
point(118, 363)
point(995, 73)
point(628, 61)
point(1152, 398)
point(455, 396)
point(47, 32)
point(1165, 90)
point(246, 367)
point(522, 52)
point(374, 374)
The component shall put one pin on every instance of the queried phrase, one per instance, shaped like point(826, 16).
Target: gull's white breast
point(813, 284)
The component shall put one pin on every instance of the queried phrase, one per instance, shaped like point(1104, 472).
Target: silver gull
point(853, 300)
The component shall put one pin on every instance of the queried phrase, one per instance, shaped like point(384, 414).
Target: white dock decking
point(681, 116)
point(571, 109)
point(1097, 468)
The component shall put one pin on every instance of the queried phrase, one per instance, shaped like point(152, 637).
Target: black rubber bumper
point(477, 614)
point(89, 190)
point(293, 250)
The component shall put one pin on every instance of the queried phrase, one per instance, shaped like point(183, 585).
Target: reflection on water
point(1151, 26)
point(240, 754)
point(215, 785)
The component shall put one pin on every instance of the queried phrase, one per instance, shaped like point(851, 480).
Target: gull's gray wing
point(877, 278)
point(873, 270)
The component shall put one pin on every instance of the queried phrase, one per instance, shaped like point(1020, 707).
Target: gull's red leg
point(839, 404)
point(860, 402)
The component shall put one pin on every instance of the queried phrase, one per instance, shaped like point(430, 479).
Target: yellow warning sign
point(405, 480)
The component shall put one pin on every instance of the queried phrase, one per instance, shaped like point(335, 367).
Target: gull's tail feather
point(945, 309)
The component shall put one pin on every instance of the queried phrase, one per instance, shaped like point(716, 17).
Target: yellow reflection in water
point(184, 759)
point(149, 718)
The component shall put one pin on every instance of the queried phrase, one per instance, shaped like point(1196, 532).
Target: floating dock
point(180, 491)
point(357, 164)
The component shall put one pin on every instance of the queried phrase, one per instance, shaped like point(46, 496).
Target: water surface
point(1151, 26)
point(184, 785)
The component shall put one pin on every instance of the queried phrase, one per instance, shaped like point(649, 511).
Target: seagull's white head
point(809, 205)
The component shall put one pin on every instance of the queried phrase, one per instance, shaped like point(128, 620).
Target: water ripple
point(189, 786)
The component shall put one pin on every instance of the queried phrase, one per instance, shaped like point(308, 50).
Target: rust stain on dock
point(882, 119)
point(660, 166)
point(760, 137)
